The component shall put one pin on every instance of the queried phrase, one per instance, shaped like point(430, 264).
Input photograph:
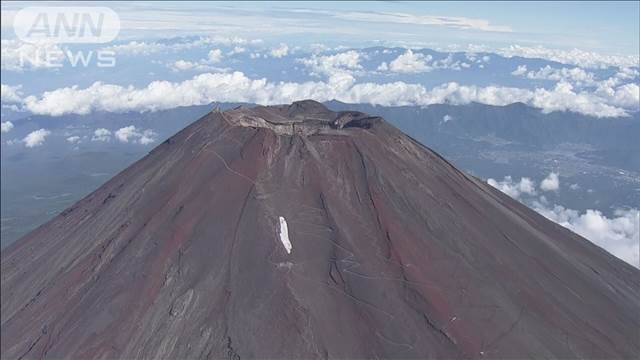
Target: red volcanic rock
point(392, 253)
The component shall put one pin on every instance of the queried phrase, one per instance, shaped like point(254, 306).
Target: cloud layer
point(341, 85)
point(330, 65)
point(411, 62)
point(456, 22)
point(576, 57)
point(619, 235)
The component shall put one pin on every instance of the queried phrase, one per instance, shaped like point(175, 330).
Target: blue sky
point(606, 27)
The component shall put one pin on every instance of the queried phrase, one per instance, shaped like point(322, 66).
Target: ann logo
point(85, 24)
point(66, 25)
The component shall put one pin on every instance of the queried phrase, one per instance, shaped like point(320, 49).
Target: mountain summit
point(296, 232)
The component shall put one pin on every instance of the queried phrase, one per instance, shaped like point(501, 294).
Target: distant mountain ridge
point(516, 122)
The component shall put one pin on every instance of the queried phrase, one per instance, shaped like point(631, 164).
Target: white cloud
point(449, 64)
point(627, 95)
point(214, 56)
point(410, 62)
point(512, 188)
point(237, 50)
point(562, 98)
point(73, 139)
point(317, 48)
point(137, 48)
point(280, 51)
point(619, 234)
point(123, 134)
point(148, 137)
point(6, 126)
point(575, 75)
point(551, 182)
point(345, 63)
point(609, 91)
point(227, 41)
point(184, 65)
point(576, 57)
point(627, 73)
point(10, 94)
point(36, 138)
point(202, 65)
point(521, 70)
point(383, 66)
point(447, 118)
point(237, 87)
point(101, 134)
point(455, 22)
point(132, 134)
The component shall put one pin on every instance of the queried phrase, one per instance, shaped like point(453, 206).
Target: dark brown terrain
point(395, 254)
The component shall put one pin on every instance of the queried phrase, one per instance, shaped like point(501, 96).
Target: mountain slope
point(395, 254)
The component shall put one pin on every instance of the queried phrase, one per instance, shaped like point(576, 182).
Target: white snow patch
point(285, 265)
point(284, 235)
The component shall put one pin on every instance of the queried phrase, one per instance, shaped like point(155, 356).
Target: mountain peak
point(306, 107)
point(305, 117)
point(295, 232)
